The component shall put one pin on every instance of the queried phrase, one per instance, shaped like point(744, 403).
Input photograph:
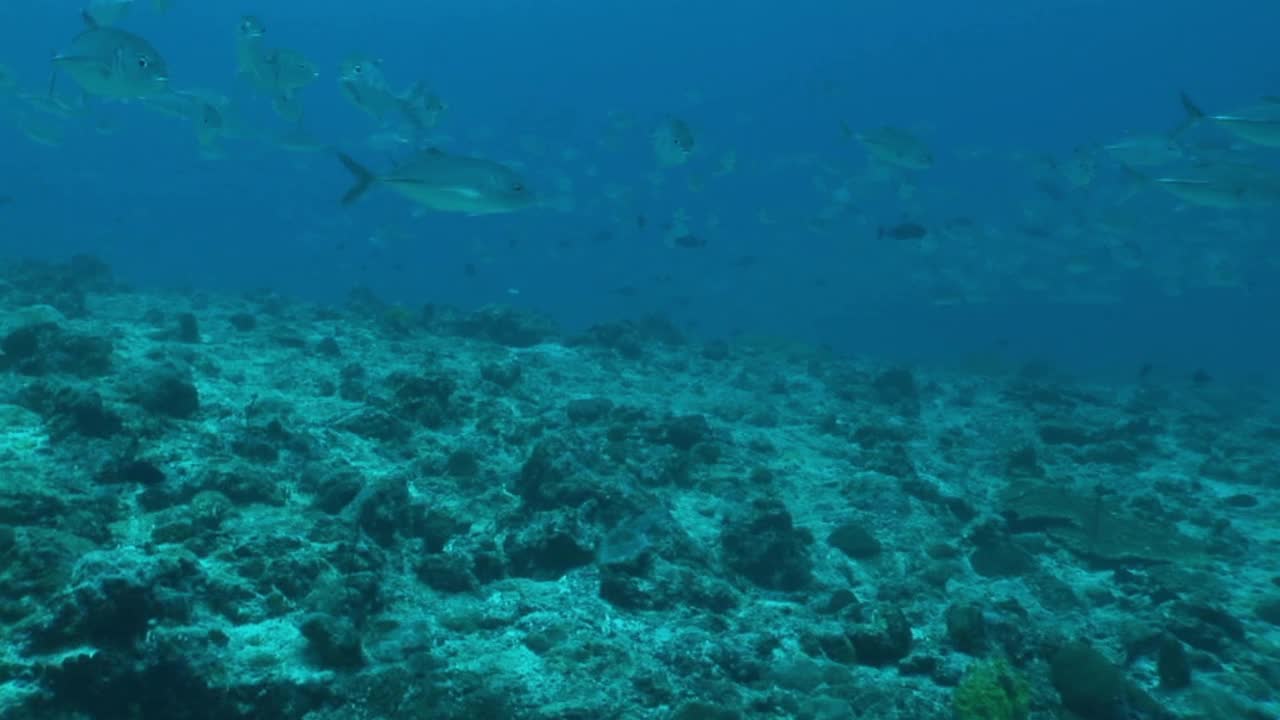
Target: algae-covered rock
point(1091, 686)
point(992, 691)
point(1095, 525)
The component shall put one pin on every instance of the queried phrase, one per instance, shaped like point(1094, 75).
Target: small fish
point(363, 83)
point(1146, 151)
point(285, 73)
point(249, 44)
point(689, 240)
point(673, 142)
point(897, 147)
point(903, 231)
point(207, 111)
point(449, 183)
point(114, 63)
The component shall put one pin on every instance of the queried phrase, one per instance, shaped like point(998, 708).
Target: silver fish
point(450, 183)
point(114, 63)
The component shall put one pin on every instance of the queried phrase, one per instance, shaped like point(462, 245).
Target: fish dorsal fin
point(89, 22)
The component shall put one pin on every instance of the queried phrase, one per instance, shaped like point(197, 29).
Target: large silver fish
point(897, 147)
point(449, 183)
point(1227, 186)
point(113, 63)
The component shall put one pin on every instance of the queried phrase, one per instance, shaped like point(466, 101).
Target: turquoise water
point(572, 94)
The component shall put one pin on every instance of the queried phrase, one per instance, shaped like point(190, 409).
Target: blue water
point(763, 80)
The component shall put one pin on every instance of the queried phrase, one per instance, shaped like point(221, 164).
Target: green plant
point(992, 690)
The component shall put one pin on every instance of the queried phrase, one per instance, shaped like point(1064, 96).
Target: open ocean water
point(670, 360)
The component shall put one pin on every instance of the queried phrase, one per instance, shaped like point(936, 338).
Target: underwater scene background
point(639, 360)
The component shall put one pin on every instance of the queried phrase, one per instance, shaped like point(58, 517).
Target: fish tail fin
point(1193, 113)
point(1193, 110)
point(364, 178)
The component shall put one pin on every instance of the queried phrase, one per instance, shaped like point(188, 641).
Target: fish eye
point(357, 69)
point(143, 62)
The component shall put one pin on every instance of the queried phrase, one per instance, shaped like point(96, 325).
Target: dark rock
point(328, 347)
point(507, 326)
point(855, 541)
point(434, 528)
point(504, 375)
point(255, 449)
point(244, 487)
point(333, 492)
point(385, 511)
point(23, 343)
point(69, 410)
point(168, 392)
point(547, 548)
point(44, 349)
point(1092, 687)
point(188, 328)
point(462, 463)
point(997, 555)
point(113, 610)
point(897, 388)
point(1066, 435)
point(136, 472)
point(1268, 611)
point(1172, 664)
point(585, 411)
point(244, 322)
point(163, 684)
point(967, 628)
point(1241, 500)
point(422, 399)
point(1024, 463)
point(763, 546)
point(554, 477)
point(332, 644)
point(1205, 627)
point(447, 573)
point(685, 431)
point(376, 425)
point(883, 641)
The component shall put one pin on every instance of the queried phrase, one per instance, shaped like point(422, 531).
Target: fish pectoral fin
point(466, 192)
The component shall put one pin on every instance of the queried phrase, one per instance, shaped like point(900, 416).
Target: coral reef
point(250, 507)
